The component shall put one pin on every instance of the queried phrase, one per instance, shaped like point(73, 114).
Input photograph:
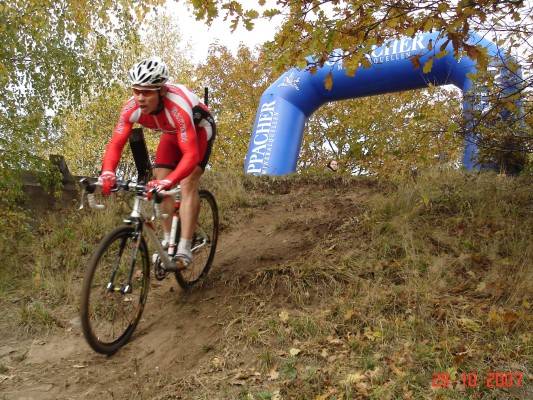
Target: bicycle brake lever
point(156, 199)
point(84, 182)
point(89, 188)
point(152, 195)
point(82, 197)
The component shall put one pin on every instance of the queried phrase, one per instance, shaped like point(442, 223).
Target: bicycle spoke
point(110, 316)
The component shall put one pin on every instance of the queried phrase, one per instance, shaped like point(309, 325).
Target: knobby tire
point(203, 257)
point(109, 318)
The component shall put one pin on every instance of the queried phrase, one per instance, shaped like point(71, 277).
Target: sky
point(220, 30)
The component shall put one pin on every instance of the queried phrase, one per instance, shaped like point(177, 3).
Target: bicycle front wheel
point(204, 242)
point(114, 290)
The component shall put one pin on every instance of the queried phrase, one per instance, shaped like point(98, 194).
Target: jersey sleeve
point(121, 134)
point(188, 144)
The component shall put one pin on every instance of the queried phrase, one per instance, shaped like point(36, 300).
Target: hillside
point(322, 288)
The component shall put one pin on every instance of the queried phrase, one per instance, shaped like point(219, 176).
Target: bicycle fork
point(127, 288)
point(136, 237)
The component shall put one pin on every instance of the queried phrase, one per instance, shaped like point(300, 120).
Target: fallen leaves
point(481, 287)
point(243, 377)
point(284, 316)
point(328, 394)
point(469, 324)
point(351, 314)
point(217, 363)
point(294, 352)
point(273, 374)
point(372, 334)
point(459, 357)
point(359, 381)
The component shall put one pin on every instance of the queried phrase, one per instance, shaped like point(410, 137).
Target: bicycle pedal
point(179, 265)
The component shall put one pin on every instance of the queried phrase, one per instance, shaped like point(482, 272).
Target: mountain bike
point(115, 286)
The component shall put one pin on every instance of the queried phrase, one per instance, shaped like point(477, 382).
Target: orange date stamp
point(471, 379)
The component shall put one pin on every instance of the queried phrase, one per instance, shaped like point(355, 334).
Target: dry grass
point(435, 277)
point(428, 276)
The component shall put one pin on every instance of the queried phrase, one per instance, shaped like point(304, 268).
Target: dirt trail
point(180, 333)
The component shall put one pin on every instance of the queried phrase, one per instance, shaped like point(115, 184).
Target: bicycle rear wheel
point(110, 310)
point(204, 242)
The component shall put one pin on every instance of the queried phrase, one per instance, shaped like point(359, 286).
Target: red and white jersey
point(182, 114)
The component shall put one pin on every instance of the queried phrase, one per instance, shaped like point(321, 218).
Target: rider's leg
point(189, 210)
point(167, 205)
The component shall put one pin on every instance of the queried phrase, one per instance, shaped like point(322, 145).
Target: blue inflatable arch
point(285, 106)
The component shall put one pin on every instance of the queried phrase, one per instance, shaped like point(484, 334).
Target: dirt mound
point(181, 333)
point(320, 290)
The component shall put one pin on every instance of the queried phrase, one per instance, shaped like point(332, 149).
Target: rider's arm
point(121, 134)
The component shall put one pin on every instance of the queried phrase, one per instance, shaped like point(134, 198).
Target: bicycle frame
point(140, 219)
point(117, 278)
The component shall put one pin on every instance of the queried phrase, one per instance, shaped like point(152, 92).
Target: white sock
point(184, 246)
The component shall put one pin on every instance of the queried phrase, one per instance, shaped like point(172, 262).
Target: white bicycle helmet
point(150, 72)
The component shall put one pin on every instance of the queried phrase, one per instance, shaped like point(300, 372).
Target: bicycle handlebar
point(126, 185)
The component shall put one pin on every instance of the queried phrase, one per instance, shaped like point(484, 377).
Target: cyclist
point(188, 131)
